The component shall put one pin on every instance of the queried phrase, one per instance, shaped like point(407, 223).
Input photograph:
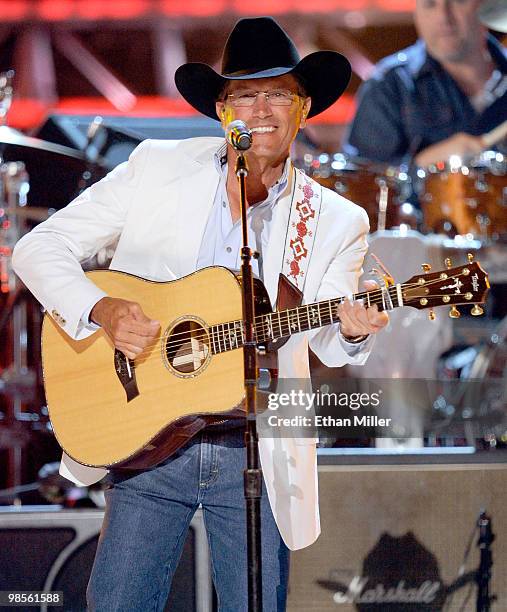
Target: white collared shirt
point(222, 239)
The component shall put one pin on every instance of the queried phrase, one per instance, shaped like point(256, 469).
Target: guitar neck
point(461, 285)
point(281, 324)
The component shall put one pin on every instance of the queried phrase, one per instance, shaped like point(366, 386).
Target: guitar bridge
point(126, 373)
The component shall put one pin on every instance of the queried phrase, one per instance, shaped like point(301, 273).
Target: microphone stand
point(253, 474)
point(483, 577)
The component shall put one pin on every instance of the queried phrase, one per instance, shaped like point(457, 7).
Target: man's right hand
point(126, 324)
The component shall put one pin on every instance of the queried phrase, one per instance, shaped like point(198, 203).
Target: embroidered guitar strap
point(303, 219)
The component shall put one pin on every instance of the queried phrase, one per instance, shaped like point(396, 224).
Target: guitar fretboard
point(281, 324)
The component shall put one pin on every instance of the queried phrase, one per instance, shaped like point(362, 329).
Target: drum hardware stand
point(11, 230)
point(483, 578)
point(92, 151)
point(13, 492)
point(382, 206)
point(6, 92)
point(253, 473)
point(17, 380)
point(484, 222)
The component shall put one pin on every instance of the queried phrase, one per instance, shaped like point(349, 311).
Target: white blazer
point(156, 206)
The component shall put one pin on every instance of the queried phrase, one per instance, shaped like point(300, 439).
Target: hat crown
point(255, 45)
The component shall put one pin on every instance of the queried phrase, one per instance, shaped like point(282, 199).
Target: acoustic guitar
point(107, 410)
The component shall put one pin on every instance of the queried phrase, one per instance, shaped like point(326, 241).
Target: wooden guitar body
point(154, 405)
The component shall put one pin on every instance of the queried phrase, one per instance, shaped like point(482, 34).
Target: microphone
point(238, 135)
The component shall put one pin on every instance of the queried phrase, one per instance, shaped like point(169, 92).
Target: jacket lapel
point(197, 189)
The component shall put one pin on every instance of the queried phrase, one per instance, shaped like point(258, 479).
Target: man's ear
point(220, 110)
point(304, 112)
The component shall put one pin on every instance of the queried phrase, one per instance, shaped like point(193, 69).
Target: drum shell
point(362, 185)
point(466, 200)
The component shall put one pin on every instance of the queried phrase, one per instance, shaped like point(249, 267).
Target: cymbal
point(12, 138)
point(5, 129)
point(493, 13)
point(54, 170)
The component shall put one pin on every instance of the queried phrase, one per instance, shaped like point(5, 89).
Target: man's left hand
point(358, 320)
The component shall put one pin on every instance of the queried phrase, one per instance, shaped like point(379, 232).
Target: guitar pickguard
point(126, 373)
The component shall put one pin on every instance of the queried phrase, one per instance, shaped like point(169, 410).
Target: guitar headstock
point(466, 284)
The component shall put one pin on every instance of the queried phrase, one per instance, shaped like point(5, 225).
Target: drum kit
point(428, 214)
point(462, 197)
point(24, 163)
point(382, 190)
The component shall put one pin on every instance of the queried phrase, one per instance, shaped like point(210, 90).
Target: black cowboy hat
point(259, 48)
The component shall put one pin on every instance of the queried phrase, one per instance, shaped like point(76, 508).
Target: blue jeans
point(147, 519)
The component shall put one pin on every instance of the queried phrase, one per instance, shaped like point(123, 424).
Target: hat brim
point(324, 75)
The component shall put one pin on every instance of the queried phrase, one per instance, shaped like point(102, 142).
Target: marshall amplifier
point(402, 538)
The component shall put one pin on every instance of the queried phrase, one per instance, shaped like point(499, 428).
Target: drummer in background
point(439, 96)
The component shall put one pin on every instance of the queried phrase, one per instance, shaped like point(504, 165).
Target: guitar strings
point(284, 316)
point(291, 310)
point(261, 325)
point(378, 293)
point(221, 336)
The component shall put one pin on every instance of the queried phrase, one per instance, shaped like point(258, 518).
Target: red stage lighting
point(55, 10)
point(114, 9)
point(12, 10)
point(194, 8)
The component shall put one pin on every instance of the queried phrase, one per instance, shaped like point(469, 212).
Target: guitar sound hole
point(187, 347)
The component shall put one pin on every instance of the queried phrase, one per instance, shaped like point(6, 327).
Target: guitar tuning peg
point(448, 263)
point(470, 257)
point(454, 313)
point(426, 267)
point(477, 311)
point(431, 315)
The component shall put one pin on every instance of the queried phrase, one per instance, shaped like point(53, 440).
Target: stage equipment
point(484, 541)
point(54, 169)
point(466, 197)
point(380, 189)
point(398, 534)
point(480, 409)
point(241, 140)
point(53, 550)
point(44, 161)
point(120, 135)
point(20, 319)
point(112, 144)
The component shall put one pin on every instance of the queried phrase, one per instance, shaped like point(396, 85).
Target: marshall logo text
point(356, 593)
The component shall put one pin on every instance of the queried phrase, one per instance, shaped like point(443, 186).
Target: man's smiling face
point(273, 127)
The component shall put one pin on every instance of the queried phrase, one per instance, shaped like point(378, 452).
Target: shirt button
point(224, 204)
point(228, 249)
